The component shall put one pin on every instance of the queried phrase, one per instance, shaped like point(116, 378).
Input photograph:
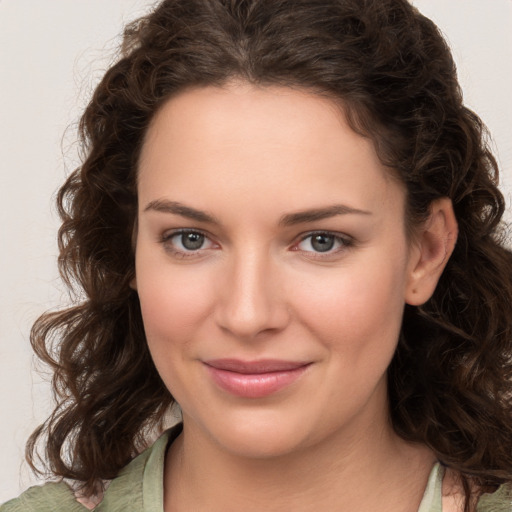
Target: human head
point(392, 73)
point(386, 64)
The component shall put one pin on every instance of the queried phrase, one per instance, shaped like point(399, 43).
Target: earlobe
point(433, 246)
point(133, 284)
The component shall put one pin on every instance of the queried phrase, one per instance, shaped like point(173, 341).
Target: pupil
point(322, 243)
point(192, 241)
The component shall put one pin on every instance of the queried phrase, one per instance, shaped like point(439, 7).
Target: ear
point(133, 283)
point(432, 247)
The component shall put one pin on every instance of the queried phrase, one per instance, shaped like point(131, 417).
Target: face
point(271, 266)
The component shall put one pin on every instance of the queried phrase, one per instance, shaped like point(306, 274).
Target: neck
point(373, 470)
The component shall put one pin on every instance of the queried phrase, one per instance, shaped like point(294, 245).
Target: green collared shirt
point(139, 488)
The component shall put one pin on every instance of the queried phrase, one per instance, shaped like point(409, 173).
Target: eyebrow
point(176, 208)
point(290, 219)
point(315, 214)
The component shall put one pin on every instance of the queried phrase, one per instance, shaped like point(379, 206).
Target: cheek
point(355, 311)
point(172, 303)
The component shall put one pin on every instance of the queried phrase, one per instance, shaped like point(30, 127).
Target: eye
point(190, 241)
point(323, 242)
point(185, 243)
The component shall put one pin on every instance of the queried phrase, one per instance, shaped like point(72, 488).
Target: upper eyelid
point(341, 236)
point(166, 235)
point(337, 234)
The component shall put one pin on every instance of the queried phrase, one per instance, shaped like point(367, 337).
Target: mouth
point(254, 379)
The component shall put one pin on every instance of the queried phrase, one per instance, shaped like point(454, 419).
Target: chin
point(263, 435)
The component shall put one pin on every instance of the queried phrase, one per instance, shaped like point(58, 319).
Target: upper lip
point(255, 367)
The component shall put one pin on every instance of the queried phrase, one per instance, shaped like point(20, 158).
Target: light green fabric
point(499, 501)
point(431, 501)
point(139, 488)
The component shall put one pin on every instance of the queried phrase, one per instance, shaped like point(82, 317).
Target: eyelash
point(344, 241)
point(167, 243)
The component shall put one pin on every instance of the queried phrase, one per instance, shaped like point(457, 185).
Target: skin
point(257, 289)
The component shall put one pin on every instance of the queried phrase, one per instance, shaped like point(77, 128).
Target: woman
point(288, 224)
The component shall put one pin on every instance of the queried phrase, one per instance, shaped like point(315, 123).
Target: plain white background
point(52, 53)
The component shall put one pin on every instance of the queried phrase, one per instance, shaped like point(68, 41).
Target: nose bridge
point(251, 300)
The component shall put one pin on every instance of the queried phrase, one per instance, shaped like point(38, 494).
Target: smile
point(254, 379)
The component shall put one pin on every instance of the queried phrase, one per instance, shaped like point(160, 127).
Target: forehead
point(253, 116)
point(285, 145)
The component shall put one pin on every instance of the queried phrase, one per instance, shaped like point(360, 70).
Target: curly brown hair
point(389, 66)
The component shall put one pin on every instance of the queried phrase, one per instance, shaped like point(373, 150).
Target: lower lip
point(254, 385)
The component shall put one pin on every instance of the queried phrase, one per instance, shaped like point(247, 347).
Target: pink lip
point(254, 379)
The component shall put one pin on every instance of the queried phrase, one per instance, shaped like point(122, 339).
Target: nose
point(251, 299)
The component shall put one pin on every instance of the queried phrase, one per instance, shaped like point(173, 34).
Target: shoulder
point(138, 483)
point(50, 497)
point(453, 496)
point(498, 501)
